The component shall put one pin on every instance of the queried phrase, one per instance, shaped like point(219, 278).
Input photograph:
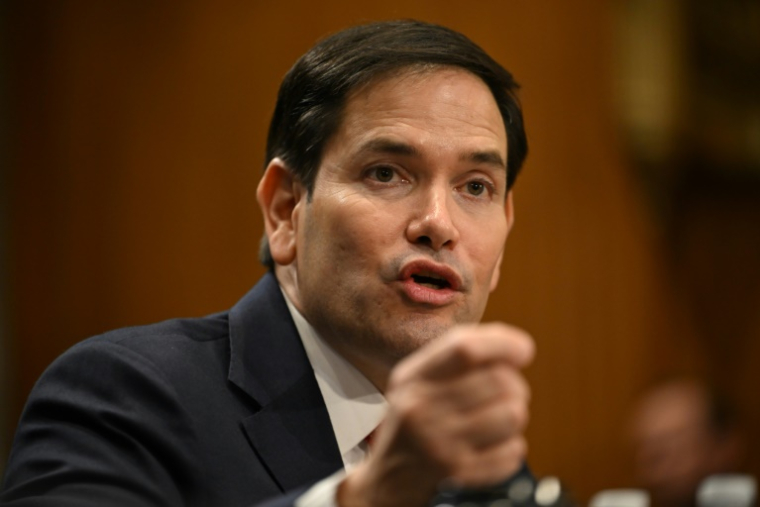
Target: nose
point(432, 224)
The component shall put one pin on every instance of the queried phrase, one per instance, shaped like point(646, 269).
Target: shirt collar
point(354, 404)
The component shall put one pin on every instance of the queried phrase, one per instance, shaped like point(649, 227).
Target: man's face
point(404, 231)
point(675, 448)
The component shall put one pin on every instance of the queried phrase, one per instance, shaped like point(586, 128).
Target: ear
point(279, 194)
point(509, 211)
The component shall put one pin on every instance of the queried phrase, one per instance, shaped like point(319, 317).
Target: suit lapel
point(291, 433)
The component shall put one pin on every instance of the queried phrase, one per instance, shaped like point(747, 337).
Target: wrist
point(351, 492)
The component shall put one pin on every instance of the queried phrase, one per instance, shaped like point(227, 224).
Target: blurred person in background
point(683, 431)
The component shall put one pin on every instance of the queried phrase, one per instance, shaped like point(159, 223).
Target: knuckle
point(518, 449)
point(406, 409)
point(525, 390)
point(507, 383)
point(464, 351)
point(523, 343)
point(501, 378)
point(518, 387)
point(519, 416)
point(399, 376)
point(528, 345)
point(524, 419)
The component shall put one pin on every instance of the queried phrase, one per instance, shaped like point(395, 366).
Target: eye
point(475, 187)
point(478, 188)
point(383, 174)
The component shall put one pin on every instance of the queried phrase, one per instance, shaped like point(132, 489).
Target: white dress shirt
point(354, 405)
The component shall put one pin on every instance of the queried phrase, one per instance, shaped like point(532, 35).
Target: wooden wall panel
point(138, 142)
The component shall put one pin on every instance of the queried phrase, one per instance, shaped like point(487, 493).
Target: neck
point(370, 367)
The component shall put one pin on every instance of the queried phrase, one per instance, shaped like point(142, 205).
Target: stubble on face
point(354, 238)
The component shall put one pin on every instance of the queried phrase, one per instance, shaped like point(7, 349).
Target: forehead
point(674, 406)
point(430, 103)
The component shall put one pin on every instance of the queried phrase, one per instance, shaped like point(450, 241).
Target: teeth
point(430, 280)
point(431, 275)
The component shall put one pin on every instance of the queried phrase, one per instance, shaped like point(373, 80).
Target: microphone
point(620, 498)
point(727, 490)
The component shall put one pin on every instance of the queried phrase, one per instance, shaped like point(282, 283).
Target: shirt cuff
point(322, 494)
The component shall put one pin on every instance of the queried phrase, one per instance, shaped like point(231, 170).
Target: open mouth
point(431, 281)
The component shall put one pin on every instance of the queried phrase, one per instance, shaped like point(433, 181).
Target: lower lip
point(426, 295)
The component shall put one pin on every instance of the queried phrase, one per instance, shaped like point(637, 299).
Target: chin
point(414, 334)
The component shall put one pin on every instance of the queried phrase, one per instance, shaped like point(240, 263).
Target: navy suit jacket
point(216, 411)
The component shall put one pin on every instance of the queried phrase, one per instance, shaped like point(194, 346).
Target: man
point(683, 431)
point(387, 202)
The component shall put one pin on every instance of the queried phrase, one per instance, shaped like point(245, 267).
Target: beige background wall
point(137, 142)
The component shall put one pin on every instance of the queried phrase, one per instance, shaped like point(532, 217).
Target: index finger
point(467, 347)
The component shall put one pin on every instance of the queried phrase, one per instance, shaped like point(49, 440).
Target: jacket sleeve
point(105, 426)
point(101, 427)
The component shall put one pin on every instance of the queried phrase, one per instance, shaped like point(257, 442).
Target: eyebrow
point(385, 145)
point(389, 146)
point(490, 157)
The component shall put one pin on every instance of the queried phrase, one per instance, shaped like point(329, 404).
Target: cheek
point(368, 222)
point(486, 246)
point(352, 235)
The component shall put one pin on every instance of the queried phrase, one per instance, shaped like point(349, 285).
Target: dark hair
point(721, 412)
point(721, 417)
point(314, 91)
